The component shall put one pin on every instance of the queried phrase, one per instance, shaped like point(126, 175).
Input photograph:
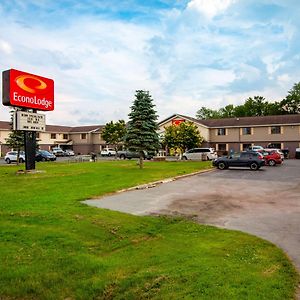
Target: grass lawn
point(54, 247)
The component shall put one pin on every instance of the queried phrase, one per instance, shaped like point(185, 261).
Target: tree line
point(256, 106)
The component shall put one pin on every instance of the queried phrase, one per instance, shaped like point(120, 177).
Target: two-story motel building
point(82, 139)
point(223, 134)
point(283, 131)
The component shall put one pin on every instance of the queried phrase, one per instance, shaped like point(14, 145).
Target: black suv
point(43, 155)
point(251, 159)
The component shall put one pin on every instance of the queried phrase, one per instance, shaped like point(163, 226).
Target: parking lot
point(265, 203)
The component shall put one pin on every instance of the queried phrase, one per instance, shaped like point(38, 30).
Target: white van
point(197, 153)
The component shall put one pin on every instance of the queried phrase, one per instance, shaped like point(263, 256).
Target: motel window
point(37, 134)
point(246, 130)
point(83, 136)
point(53, 136)
point(275, 145)
point(246, 146)
point(221, 131)
point(275, 129)
point(65, 136)
point(221, 147)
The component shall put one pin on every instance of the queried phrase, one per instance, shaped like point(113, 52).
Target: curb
point(155, 183)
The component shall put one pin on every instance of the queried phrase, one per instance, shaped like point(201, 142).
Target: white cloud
point(183, 59)
point(283, 79)
point(5, 47)
point(248, 73)
point(210, 8)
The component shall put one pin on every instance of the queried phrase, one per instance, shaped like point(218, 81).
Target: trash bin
point(286, 153)
point(297, 153)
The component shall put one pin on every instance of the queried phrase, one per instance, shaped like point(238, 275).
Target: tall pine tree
point(142, 127)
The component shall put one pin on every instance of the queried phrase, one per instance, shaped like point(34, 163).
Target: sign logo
point(27, 90)
point(20, 80)
point(177, 122)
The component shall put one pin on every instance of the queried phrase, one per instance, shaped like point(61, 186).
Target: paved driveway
point(265, 203)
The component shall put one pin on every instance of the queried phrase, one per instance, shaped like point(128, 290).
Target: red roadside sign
point(27, 90)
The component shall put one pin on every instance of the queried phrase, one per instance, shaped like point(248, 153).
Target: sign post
point(31, 93)
point(30, 149)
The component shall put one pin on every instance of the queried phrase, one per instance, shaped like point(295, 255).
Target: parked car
point(69, 152)
point(57, 151)
point(251, 159)
point(134, 154)
point(108, 152)
point(11, 156)
point(255, 148)
point(285, 151)
point(197, 153)
point(276, 150)
point(43, 155)
point(272, 157)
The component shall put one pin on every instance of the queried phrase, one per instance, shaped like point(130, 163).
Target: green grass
point(54, 247)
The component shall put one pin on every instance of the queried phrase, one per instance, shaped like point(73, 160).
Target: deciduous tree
point(183, 136)
point(205, 113)
point(114, 133)
point(291, 103)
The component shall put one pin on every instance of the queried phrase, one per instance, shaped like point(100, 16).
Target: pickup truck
point(108, 152)
point(57, 151)
point(133, 154)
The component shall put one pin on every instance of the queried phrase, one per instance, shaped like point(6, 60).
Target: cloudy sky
point(187, 53)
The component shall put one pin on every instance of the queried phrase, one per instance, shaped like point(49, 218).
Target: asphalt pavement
point(265, 203)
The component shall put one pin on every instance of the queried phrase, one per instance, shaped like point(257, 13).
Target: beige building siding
point(3, 136)
point(231, 134)
point(258, 128)
point(260, 133)
point(204, 131)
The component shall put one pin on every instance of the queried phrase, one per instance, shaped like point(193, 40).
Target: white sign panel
point(30, 121)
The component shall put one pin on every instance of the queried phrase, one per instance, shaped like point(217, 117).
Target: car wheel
point(8, 161)
point(184, 157)
point(43, 159)
point(109, 154)
point(272, 163)
point(21, 160)
point(122, 156)
point(221, 166)
point(254, 166)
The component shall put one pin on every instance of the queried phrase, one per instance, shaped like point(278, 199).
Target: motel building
point(237, 134)
point(81, 139)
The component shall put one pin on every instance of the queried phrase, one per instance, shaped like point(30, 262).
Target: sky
point(186, 53)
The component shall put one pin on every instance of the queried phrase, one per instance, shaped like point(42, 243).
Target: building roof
point(242, 121)
point(5, 125)
point(252, 121)
point(88, 128)
point(181, 117)
point(60, 129)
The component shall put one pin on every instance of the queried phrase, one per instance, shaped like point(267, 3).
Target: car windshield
point(44, 152)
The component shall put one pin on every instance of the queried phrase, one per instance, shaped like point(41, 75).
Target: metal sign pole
point(30, 148)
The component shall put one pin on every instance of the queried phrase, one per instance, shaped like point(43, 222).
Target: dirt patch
point(204, 209)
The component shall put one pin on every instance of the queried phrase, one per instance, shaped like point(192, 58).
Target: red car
point(272, 157)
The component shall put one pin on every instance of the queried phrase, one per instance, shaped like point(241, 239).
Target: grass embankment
point(54, 247)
